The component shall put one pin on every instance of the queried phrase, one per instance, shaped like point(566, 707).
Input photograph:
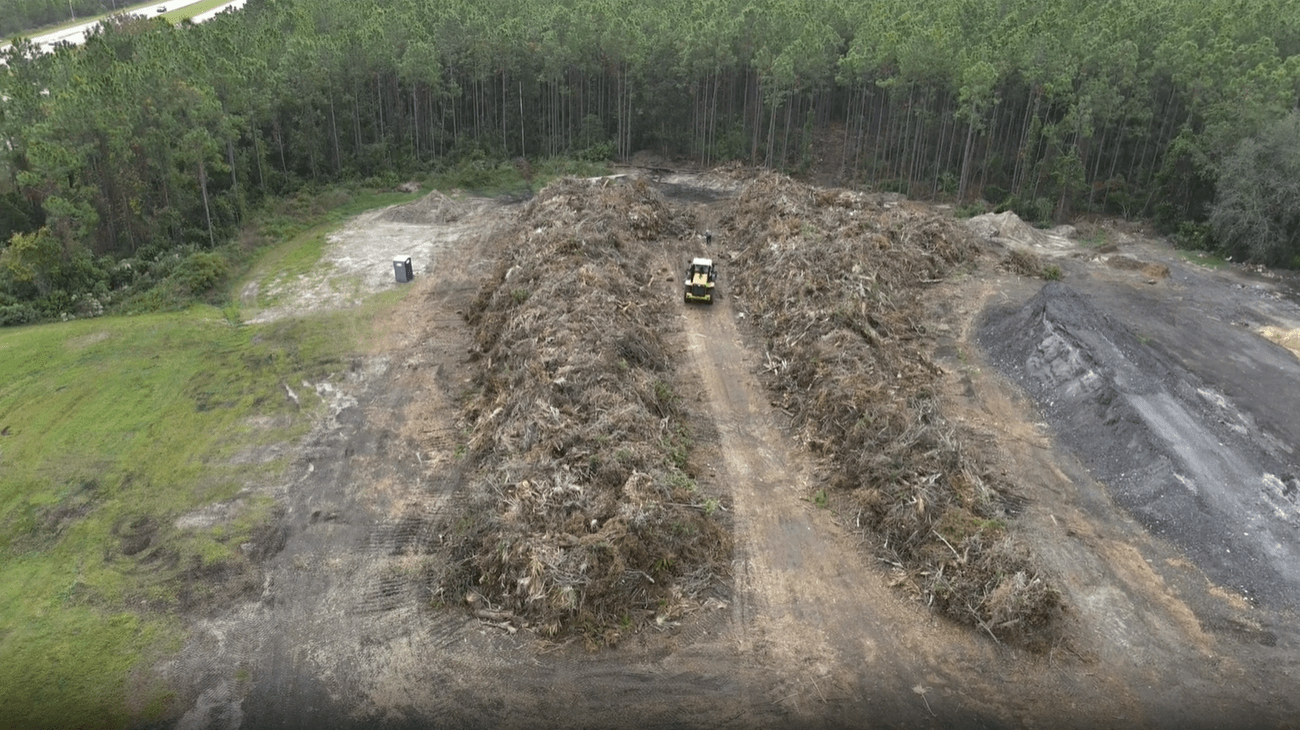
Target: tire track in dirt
point(346, 599)
point(804, 607)
point(348, 639)
point(830, 641)
point(343, 636)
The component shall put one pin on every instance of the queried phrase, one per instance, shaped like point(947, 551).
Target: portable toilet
point(402, 269)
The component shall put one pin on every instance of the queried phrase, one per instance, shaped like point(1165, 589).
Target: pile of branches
point(833, 281)
point(583, 516)
point(1023, 262)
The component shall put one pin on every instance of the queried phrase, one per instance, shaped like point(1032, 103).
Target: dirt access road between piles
point(812, 633)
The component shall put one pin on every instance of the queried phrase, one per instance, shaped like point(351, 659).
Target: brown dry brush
point(833, 282)
point(584, 518)
point(1023, 262)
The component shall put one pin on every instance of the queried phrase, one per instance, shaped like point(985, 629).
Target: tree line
point(151, 138)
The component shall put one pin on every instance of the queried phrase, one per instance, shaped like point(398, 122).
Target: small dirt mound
point(432, 209)
point(833, 281)
point(583, 516)
point(1008, 229)
point(1128, 263)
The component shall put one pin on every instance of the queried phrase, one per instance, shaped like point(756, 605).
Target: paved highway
point(77, 34)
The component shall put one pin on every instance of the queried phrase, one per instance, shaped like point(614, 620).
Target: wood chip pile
point(833, 282)
point(582, 517)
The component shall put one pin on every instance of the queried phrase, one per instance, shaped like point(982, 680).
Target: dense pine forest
point(152, 140)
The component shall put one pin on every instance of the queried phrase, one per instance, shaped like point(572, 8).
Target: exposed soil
point(1137, 429)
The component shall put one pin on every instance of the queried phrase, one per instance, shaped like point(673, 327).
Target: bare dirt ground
point(1152, 427)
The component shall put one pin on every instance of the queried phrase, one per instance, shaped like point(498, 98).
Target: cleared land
point(891, 478)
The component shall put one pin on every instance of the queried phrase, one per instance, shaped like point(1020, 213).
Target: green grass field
point(117, 432)
point(189, 11)
point(113, 430)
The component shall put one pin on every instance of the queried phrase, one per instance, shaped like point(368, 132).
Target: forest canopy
point(152, 138)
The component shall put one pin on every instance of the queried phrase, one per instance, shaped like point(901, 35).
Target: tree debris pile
point(1023, 262)
point(1128, 263)
point(833, 282)
point(583, 516)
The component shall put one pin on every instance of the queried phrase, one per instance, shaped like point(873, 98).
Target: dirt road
point(813, 631)
point(807, 610)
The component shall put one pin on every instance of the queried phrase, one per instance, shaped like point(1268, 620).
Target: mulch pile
point(582, 517)
point(833, 282)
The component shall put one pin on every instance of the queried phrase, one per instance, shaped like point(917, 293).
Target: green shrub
point(995, 195)
point(893, 185)
point(80, 272)
point(21, 313)
point(948, 183)
point(599, 152)
point(200, 272)
point(479, 175)
point(1037, 210)
point(593, 143)
point(1042, 211)
point(1193, 236)
point(731, 144)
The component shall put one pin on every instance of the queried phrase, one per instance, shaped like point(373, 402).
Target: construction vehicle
point(701, 278)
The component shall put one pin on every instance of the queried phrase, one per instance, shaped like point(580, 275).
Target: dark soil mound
point(1174, 452)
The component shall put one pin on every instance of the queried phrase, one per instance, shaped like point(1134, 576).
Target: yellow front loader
point(701, 279)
